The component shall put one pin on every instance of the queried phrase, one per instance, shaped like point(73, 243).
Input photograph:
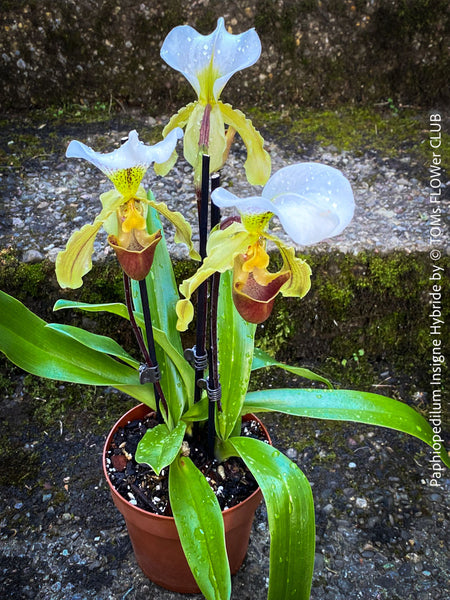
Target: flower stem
point(151, 342)
point(134, 325)
point(140, 340)
point(213, 379)
point(215, 210)
point(204, 205)
point(202, 297)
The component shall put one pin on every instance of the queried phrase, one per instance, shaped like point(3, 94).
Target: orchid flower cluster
point(312, 201)
point(205, 388)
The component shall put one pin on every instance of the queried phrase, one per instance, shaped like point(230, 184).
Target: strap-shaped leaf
point(347, 405)
point(168, 351)
point(29, 343)
point(290, 511)
point(143, 393)
point(261, 359)
point(116, 308)
point(200, 526)
point(163, 296)
point(161, 338)
point(159, 446)
point(235, 343)
point(101, 343)
point(162, 285)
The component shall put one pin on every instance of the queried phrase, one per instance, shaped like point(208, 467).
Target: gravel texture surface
point(382, 530)
point(46, 200)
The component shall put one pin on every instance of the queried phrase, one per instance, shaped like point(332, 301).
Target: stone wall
point(314, 52)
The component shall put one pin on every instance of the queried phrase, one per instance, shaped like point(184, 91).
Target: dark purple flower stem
point(149, 355)
point(213, 380)
point(134, 325)
point(215, 210)
point(151, 342)
point(202, 295)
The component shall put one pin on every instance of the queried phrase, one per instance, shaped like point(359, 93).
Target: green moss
point(42, 133)
point(281, 329)
point(78, 113)
point(50, 402)
point(393, 133)
point(25, 279)
point(393, 274)
point(378, 305)
point(23, 146)
point(365, 315)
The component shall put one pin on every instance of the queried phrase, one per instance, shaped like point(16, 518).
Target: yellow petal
point(300, 281)
point(141, 194)
point(111, 201)
point(163, 168)
point(185, 314)
point(180, 119)
point(183, 231)
point(217, 140)
point(258, 163)
point(75, 261)
point(191, 136)
point(223, 246)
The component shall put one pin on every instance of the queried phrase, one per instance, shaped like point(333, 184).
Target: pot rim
point(146, 513)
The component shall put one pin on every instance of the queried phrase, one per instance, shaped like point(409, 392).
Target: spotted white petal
point(312, 201)
point(133, 153)
point(210, 60)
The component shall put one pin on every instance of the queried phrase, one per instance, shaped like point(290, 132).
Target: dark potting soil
point(231, 481)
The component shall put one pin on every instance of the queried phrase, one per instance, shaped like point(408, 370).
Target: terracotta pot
point(155, 539)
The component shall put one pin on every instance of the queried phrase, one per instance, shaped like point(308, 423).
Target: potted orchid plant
point(202, 392)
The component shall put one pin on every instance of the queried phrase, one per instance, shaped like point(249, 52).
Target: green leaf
point(197, 412)
point(235, 343)
point(261, 360)
point(161, 338)
point(200, 526)
point(177, 360)
point(161, 281)
point(163, 296)
point(29, 343)
point(290, 511)
point(112, 307)
point(159, 447)
point(143, 393)
point(100, 343)
point(347, 405)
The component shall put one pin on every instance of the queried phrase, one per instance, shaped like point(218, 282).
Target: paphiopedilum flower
point(124, 208)
point(208, 62)
point(312, 202)
point(134, 247)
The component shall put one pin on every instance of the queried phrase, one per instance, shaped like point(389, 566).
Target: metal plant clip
point(149, 374)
